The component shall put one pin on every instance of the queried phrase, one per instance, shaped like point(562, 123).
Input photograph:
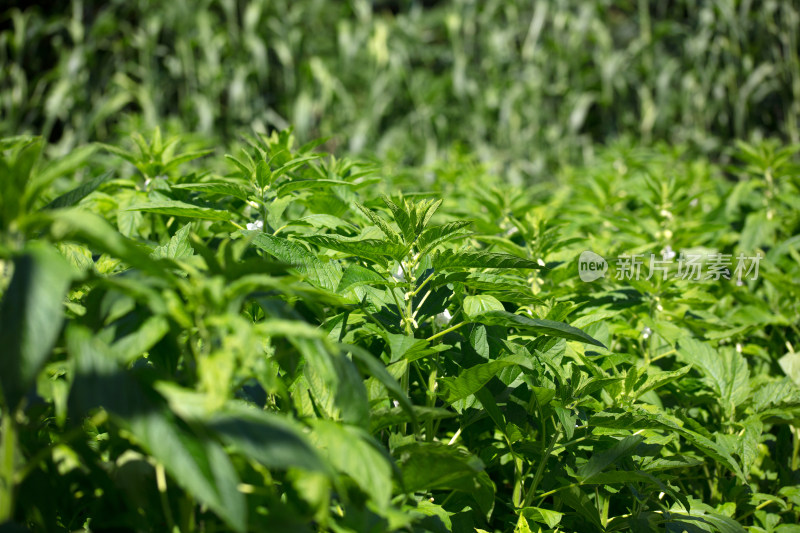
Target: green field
point(407, 266)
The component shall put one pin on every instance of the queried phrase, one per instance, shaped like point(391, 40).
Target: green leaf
point(434, 466)
point(322, 274)
point(196, 462)
point(63, 166)
point(220, 188)
point(292, 164)
point(790, 364)
point(470, 380)
point(270, 439)
point(390, 416)
point(649, 417)
point(85, 227)
point(436, 235)
point(726, 370)
point(354, 453)
point(31, 315)
point(178, 246)
point(376, 368)
point(536, 326)
point(543, 516)
point(181, 209)
point(602, 460)
point(376, 219)
point(372, 249)
point(475, 259)
point(659, 379)
point(263, 174)
point(79, 193)
point(134, 345)
point(356, 276)
point(477, 305)
point(403, 220)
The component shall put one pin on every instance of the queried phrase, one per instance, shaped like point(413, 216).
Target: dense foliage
point(540, 272)
point(283, 340)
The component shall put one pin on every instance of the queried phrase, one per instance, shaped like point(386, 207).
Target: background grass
point(524, 86)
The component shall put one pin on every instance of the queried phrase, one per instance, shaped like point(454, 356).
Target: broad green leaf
point(270, 439)
point(79, 193)
point(181, 209)
point(31, 315)
point(543, 516)
point(134, 345)
point(603, 459)
point(220, 188)
point(196, 462)
point(390, 416)
point(63, 166)
point(372, 249)
point(323, 274)
point(673, 461)
point(94, 231)
point(537, 326)
point(434, 466)
point(470, 380)
point(475, 306)
point(790, 364)
point(356, 275)
point(354, 453)
point(725, 369)
point(475, 259)
point(178, 246)
point(377, 370)
point(384, 226)
point(403, 220)
point(659, 379)
point(436, 235)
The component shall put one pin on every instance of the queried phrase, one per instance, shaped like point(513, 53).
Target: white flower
point(396, 403)
point(398, 275)
point(257, 225)
point(693, 202)
point(646, 332)
point(739, 347)
point(511, 231)
point(443, 318)
point(668, 253)
point(540, 262)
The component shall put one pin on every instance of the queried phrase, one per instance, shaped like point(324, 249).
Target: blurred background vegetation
point(524, 86)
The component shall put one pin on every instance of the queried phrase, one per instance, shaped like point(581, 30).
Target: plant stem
point(445, 331)
point(9, 437)
point(540, 470)
point(161, 482)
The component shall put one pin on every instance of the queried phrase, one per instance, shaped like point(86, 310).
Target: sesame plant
point(283, 340)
